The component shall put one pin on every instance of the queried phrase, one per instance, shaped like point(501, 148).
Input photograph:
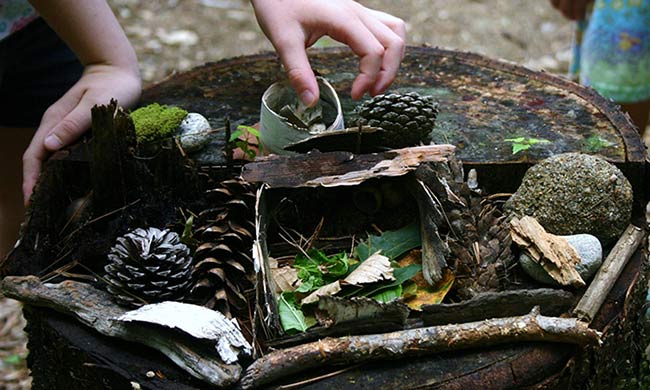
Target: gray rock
point(591, 258)
point(575, 193)
point(194, 132)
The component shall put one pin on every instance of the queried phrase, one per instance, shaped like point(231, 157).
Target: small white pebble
point(135, 386)
point(150, 374)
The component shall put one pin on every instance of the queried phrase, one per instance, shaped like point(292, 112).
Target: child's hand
point(293, 25)
point(572, 9)
point(70, 116)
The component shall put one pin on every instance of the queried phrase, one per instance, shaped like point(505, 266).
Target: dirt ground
point(175, 35)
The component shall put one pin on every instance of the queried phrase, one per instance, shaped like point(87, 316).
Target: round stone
point(591, 258)
point(194, 132)
point(575, 193)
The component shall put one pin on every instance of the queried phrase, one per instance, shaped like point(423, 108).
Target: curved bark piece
point(416, 342)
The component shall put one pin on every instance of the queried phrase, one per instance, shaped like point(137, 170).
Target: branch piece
point(417, 342)
point(608, 274)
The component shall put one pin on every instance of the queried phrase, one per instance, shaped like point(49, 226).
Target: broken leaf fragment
point(375, 268)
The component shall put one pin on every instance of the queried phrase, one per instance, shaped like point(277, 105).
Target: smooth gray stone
point(591, 258)
point(194, 132)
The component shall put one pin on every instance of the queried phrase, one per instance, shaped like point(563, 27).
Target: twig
point(318, 378)
point(417, 342)
point(609, 272)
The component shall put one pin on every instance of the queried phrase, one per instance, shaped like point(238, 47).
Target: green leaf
point(14, 359)
point(389, 294)
point(595, 143)
point(392, 243)
point(236, 134)
point(521, 143)
point(291, 317)
point(516, 148)
point(249, 129)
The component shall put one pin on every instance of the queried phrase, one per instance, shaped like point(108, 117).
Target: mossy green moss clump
point(155, 122)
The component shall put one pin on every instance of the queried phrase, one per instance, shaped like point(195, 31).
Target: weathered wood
point(608, 274)
point(96, 309)
point(340, 168)
point(113, 169)
point(416, 342)
point(552, 302)
point(553, 253)
point(434, 249)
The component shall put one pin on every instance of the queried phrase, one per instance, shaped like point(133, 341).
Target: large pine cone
point(223, 270)
point(407, 119)
point(147, 266)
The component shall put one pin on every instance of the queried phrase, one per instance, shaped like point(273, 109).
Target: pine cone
point(148, 265)
point(407, 119)
point(223, 269)
point(480, 245)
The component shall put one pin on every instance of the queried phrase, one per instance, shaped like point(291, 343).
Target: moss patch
point(155, 122)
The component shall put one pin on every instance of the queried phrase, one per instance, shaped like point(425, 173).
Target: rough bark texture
point(552, 302)
point(416, 342)
point(340, 168)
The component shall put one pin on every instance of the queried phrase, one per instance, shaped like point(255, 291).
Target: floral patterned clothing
point(612, 50)
point(14, 15)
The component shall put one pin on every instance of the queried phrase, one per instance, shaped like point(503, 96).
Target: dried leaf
point(327, 290)
point(286, 278)
point(374, 269)
point(429, 295)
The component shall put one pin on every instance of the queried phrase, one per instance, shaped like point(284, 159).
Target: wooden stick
point(417, 342)
point(594, 297)
point(552, 302)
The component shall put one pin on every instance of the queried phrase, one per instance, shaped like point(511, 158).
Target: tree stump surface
point(483, 102)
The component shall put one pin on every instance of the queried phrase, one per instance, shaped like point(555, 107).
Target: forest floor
point(174, 35)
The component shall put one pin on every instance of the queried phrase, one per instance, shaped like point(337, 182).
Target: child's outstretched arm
point(111, 71)
point(293, 25)
point(572, 9)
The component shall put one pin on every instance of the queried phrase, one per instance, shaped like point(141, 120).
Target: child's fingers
point(70, 127)
point(394, 50)
point(294, 57)
point(364, 44)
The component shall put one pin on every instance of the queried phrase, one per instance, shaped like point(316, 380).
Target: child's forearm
point(91, 30)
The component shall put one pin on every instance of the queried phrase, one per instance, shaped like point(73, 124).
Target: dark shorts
point(36, 69)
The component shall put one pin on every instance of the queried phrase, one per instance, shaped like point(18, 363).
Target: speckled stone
point(194, 132)
point(591, 258)
point(575, 193)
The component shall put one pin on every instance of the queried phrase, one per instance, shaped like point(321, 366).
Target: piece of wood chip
point(553, 253)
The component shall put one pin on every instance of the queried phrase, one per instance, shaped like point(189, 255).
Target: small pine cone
point(407, 119)
point(223, 269)
point(147, 266)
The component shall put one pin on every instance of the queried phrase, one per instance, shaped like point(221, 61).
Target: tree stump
point(483, 103)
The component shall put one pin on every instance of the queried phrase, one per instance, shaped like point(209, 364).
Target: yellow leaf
point(430, 295)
